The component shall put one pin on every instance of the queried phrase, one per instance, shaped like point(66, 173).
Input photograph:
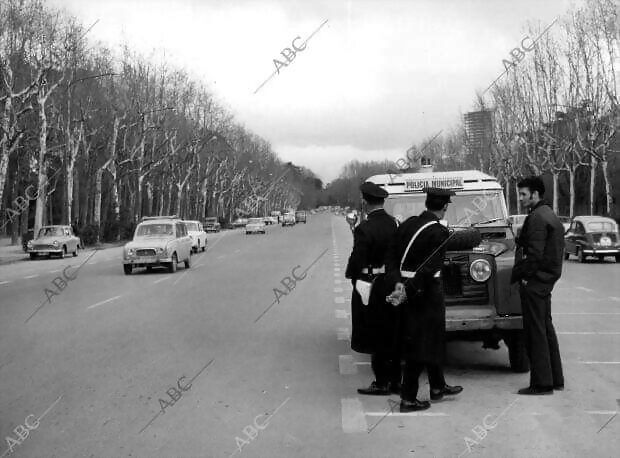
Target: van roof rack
point(147, 218)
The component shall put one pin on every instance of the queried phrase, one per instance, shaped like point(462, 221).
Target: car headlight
point(55, 243)
point(29, 243)
point(480, 270)
point(162, 251)
point(130, 251)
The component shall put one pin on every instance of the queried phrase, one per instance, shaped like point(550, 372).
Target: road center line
point(591, 333)
point(102, 302)
point(583, 288)
point(6, 282)
point(30, 276)
point(161, 279)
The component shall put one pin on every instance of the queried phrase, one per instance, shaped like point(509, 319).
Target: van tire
point(517, 353)
point(464, 239)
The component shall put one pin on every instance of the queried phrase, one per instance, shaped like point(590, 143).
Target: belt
point(409, 274)
point(374, 270)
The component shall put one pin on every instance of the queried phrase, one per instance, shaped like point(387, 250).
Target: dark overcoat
point(423, 315)
point(374, 326)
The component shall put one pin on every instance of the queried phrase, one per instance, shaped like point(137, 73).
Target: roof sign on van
point(416, 185)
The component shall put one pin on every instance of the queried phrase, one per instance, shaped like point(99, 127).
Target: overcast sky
point(376, 78)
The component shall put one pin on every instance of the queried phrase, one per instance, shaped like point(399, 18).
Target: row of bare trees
point(108, 138)
point(554, 113)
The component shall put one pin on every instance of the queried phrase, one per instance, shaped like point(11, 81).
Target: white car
point(197, 234)
point(255, 225)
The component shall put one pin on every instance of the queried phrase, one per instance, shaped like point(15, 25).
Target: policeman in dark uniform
point(375, 326)
point(415, 273)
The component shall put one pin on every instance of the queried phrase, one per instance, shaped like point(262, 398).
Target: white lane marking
point(103, 302)
point(583, 288)
point(353, 418)
point(601, 412)
point(344, 334)
point(338, 290)
point(30, 276)
point(587, 313)
point(337, 274)
point(180, 277)
point(54, 271)
point(342, 314)
point(346, 365)
point(161, 279)
point(337, 281)
point(5, 282)
point(591, 333)
point(613, 298)
point(339, 300)
point(406, 414)
point(598, 362)
point(336, 269)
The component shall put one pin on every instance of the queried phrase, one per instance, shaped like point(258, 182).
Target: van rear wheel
point(517, 353)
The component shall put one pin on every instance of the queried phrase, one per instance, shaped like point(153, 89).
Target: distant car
point(273, 219)
point(255, 225)
point(197, 234)
point(516, 222)
point(212, 225)
point(301, 217)
point(595, 236)
point(58, 240)
point(239, 222)
point(158, 241)
point(288, 220)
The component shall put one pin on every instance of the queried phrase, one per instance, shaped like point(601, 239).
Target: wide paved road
point(208, 360)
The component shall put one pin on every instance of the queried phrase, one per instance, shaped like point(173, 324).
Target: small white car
point(160, 241)
point(197, 234)
point(255, 225)
point(58, 240)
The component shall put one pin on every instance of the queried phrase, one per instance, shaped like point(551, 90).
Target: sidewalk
point(10, 254)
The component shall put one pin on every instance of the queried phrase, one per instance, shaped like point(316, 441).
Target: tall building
point(479, 137)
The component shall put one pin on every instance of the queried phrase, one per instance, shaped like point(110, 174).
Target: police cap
point(439, 193)
point(373, 191)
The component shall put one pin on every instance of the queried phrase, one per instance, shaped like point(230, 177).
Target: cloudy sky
point(376, 78)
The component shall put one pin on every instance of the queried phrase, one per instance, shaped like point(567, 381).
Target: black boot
point(436, 395)
point(413, 406)
point(375, 390)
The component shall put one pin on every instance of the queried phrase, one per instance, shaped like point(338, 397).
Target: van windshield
point(465, 209)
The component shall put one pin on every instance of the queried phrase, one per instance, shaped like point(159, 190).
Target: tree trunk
point(555, 176)
point(178, 203)
point(97, 209)
point(571, 185)
point(592, 183)
point(608, 190)
point(42, 179)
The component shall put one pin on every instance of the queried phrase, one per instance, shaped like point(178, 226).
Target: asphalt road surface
point(213, 362)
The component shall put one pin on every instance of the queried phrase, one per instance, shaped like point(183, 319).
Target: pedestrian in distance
point(538, 265)
point(414, 264)
point(375, 325)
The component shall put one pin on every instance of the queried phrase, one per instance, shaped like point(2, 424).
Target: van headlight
point(130, 251)
point(480, 270)
point(55, 243)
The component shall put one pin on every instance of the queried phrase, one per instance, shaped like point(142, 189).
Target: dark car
point(595, 236)
point(300, 217)
point(212, 225)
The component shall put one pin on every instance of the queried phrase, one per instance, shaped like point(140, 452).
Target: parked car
point(301, 217)
point(239, 222)
point(595, 236)
point(255, 225)
point(516, 222)
point(212, 225)
point(197, 234)
point(158, 241)
point(288, 219)
point(27, 237)
point(58, 240)
point(272, 219)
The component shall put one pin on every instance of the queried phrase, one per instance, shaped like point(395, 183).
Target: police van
point(481, 304)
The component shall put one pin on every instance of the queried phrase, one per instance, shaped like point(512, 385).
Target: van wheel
point(188, 261)
point(517, 354)
point(127, 268)
point(566, 255)
point(464, 239)
point(34, 256)
point(618, 258)
point(580, 256)
point(172, 267)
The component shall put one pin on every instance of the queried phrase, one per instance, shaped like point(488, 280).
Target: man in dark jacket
point(375, 326)
point(414, 263)
point(538, 265)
